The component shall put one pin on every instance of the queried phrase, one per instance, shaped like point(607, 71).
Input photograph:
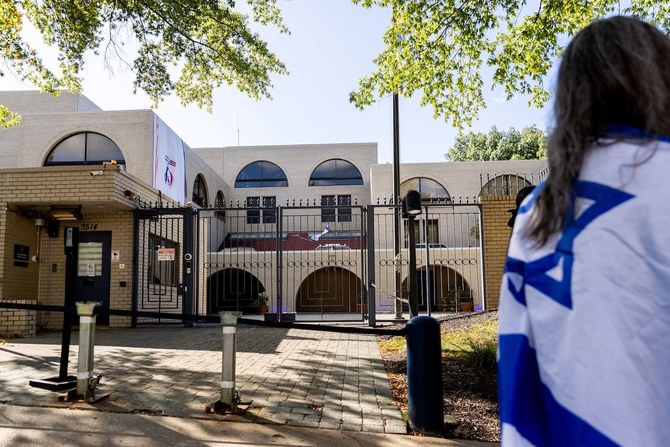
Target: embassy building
point(313, 231)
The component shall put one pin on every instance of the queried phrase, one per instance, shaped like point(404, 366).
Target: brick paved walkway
point(295, 377)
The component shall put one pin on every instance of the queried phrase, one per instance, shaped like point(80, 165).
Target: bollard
point(230, 399)
point(424, 376)
point(86, 380)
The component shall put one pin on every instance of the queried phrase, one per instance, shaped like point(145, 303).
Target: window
point(164, 255)
point(199, 195)
point(261, 174)
point(86, 148)
point(504, 185)
point(335, 172)
point(269, 215)
point(220, 201)
point(253, 216)
point(429, 189)
point(421, 225)
point(335, 214)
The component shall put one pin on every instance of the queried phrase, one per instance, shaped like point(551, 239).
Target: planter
point(362, 308)
point(466, 306)
point(262, 309)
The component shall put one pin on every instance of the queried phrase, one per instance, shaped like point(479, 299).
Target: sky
point(332, 44)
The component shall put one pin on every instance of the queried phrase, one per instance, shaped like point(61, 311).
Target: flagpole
point(396, 195)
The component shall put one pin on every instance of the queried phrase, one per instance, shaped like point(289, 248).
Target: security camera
point(35, 258)
point(100, 172)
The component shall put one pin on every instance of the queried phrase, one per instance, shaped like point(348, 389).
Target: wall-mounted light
point(65, 213)
point(411, 207)
point(411, 204)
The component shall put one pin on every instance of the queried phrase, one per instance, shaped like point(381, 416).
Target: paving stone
point(329, 380)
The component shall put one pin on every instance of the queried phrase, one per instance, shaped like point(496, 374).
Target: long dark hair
point(616, 71)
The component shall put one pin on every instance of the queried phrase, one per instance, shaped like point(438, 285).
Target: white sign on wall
point(166, 254)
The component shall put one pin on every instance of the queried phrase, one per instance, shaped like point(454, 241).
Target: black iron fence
point(313, 262)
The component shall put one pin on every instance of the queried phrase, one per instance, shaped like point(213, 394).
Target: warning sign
point(166, 254)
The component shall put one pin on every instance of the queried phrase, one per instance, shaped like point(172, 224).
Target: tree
point(527, 144)
point(207, 42)
point(440, 48)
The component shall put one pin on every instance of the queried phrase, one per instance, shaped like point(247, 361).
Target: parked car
point(238, 250)
point(332, 247)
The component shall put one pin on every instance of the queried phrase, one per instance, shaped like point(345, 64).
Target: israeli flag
point(584, 347)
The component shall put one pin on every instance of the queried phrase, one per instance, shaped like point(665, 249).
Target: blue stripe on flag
point(516, 266)
point(527, 404)
point(531, 201)
point(622, 131)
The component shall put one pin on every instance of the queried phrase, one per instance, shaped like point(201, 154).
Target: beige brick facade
point(104, 206)
point(18, 322)
point(495, 213)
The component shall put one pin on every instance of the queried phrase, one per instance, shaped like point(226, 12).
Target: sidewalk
point(294, 378)
point(38, 427)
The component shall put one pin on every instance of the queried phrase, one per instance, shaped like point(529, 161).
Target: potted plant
point(362, 306)
point(261, 302)
point(464, 301)
point(466, 305)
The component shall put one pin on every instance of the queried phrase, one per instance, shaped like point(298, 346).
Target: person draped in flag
point(584, 343)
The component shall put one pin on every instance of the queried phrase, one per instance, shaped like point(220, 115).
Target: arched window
point(220, 200)
point(260, 174)
point(199, 195)
point(86, 148)
point(430, 190)
point(335, 172)
point(504, 185)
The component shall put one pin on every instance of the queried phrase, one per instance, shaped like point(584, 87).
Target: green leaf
point(208, 43)
point(440, 49)
point(527, 144)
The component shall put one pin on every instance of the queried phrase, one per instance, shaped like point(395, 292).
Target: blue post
point(424, 376)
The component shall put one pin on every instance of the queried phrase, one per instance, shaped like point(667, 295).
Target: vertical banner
point(169, 162)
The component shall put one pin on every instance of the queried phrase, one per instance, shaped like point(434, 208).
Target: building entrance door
point(93, 271)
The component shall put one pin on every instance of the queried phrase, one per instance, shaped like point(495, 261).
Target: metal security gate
point(307, 260)
point(311, 263)
point(323, 261)
point(164, 267)
point(449, 258)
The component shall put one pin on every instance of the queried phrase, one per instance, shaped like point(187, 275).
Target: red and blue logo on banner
point(169, 177)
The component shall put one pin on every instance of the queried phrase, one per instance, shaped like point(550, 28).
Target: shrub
point(476, 345)
point(395, 345)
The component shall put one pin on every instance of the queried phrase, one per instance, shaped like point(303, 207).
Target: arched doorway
point(442, 285)
point(232, 289)
point(330, 289)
